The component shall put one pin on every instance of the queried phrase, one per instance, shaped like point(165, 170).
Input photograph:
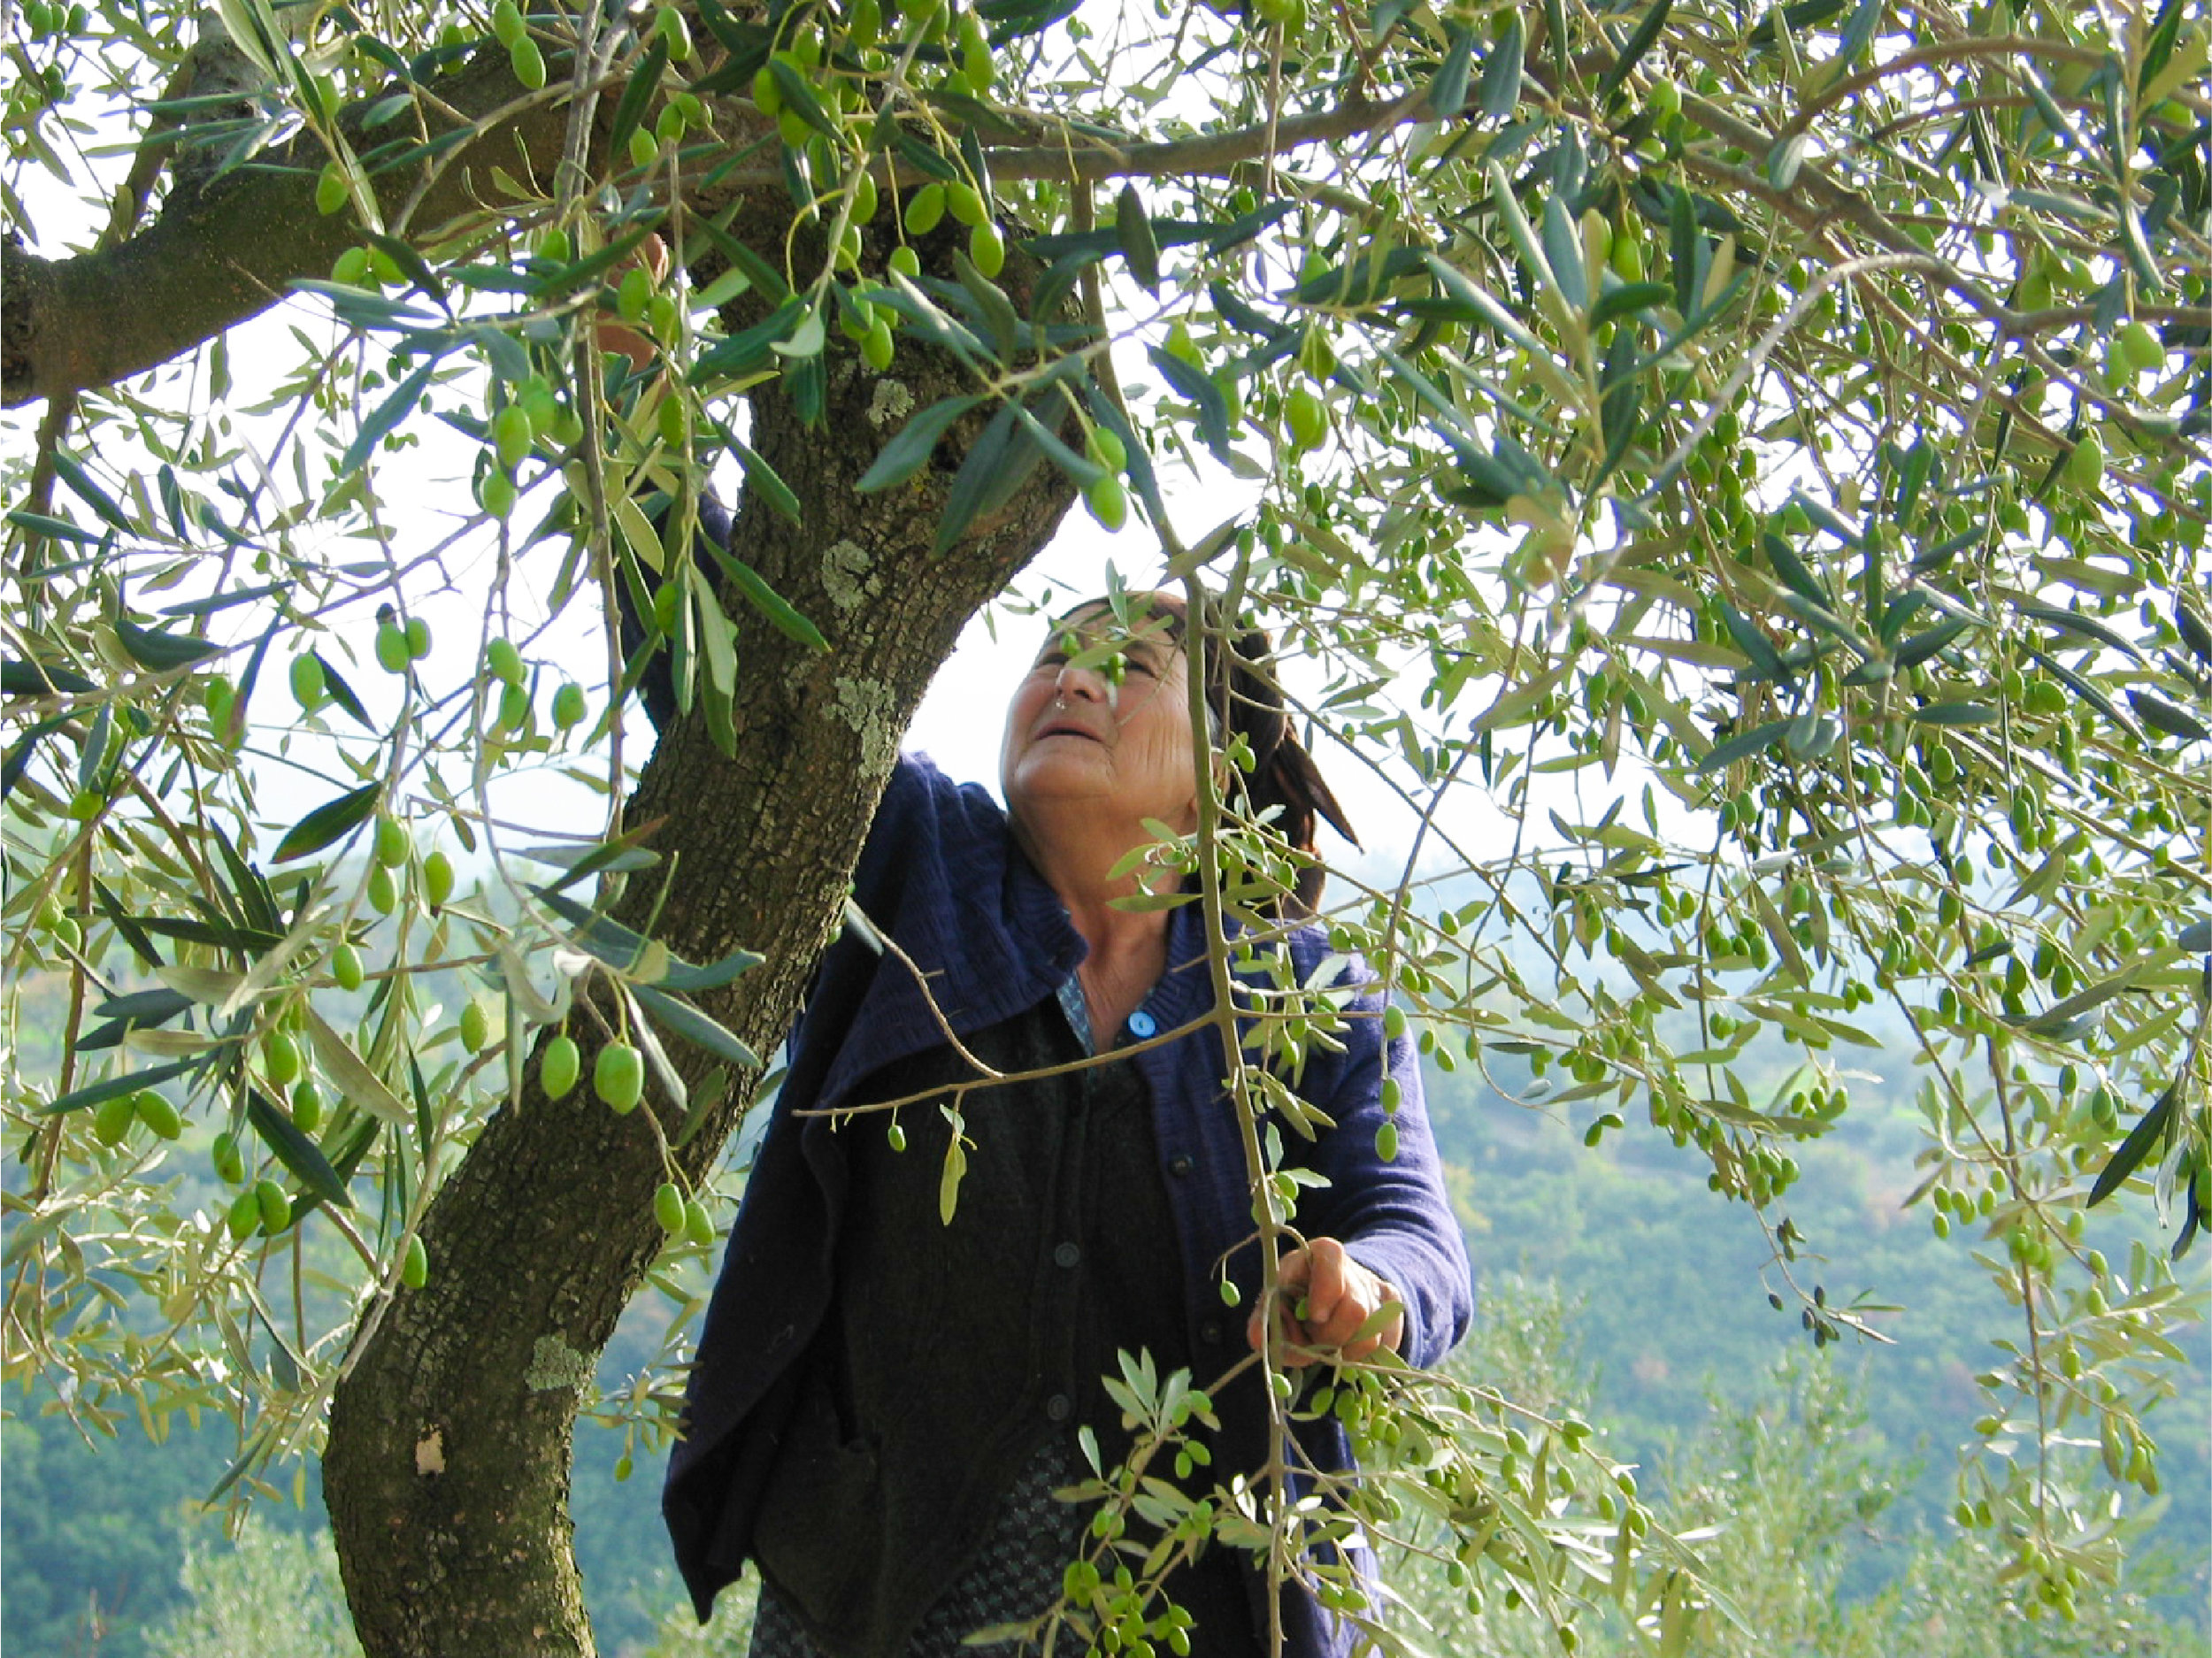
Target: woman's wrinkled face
point(1103, 717)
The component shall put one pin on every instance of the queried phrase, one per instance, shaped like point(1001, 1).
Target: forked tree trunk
point(448, 1465)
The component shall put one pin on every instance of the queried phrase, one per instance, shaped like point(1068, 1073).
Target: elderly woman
point(884, 1399)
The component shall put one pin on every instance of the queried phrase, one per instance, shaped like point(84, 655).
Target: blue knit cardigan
point(941, 875)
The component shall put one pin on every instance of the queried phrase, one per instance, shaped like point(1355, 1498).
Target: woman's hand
point(1337, 1296)
point(650, 254)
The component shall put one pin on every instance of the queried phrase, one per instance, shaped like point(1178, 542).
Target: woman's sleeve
point(1394, 1214)
point(904, 847)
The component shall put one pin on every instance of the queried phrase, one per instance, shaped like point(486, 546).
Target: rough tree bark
point(448, 1464)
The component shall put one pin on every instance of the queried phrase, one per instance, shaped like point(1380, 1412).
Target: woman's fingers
point(1326, 1299)
point(1292, 1298)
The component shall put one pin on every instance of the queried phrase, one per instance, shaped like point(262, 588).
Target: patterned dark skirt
point(1014, 1575)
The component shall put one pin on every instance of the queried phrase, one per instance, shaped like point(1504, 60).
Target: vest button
point(1058, 1407)
point(1066, 1255)
point(1209, 1332)
point(1142, 1025)
point(1181, 1164)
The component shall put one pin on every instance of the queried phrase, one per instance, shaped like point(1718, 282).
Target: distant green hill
point(1668, 1306)
point(1665, 1306)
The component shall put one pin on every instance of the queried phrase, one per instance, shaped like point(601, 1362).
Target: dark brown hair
point(1246, 700)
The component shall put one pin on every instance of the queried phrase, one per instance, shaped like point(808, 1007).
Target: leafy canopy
point(1755, 453)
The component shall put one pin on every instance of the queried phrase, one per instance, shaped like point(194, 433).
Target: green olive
point(310, 686)
point(220, 699)
point(437, 879)
point(1107, 502)
point(510, 434)
point(112, 1120)
point(559, 1066)
point(307, 1106)
point(504, 661)
point(986, 249)
point(1106, 448)
point(391, 648)
point(674, 422)
point(275, 1207)
point(925, 209)
point(2085, 466)
point(668, 1208)
point(2138, 348)
point(1626, 256)
point(280, 1060)
point(879, 348)
point(527, 62)
point(668, 24)
point(330, 193)
point(617, 1077)
point(392, 847)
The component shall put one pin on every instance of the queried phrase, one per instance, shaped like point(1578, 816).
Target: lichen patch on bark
point(846, 575)
point(869, 708)
point(554, 1364)
point(891, 401)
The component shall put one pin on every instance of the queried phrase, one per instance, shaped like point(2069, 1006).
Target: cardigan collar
point(996, 942)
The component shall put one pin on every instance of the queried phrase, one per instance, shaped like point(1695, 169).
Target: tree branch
point(218, 255)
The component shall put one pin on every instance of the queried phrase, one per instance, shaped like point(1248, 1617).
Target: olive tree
point(1755, 455)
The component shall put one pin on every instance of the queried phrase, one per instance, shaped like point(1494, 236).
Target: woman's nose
point(1087, 683)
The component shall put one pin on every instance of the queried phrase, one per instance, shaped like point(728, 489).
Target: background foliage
point(1573, 1253)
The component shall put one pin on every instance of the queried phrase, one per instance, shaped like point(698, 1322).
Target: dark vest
point(953, 1350)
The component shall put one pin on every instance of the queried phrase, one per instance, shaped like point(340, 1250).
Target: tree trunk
point(448, 1464)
